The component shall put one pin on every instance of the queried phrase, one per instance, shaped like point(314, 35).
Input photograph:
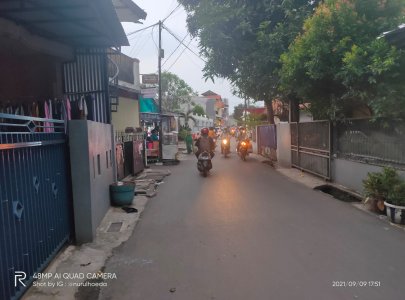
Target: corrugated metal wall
point(88, 75)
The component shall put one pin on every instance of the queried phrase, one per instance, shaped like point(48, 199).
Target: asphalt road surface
point(246, 232)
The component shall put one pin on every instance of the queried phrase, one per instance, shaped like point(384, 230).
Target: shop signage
point(150, 79)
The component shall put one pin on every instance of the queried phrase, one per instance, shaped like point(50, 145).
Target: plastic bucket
point(122, 193)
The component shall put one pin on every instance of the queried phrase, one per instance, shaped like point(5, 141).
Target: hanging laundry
point(68, 109)
point(91, 107)
point(83, 108)
point(46, 110)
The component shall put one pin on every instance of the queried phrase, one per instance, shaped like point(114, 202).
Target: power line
point(177, 7)
point(191, 58)
point(134, 43)
point(139, 44)
point(142, 29)
point(153, 39)
point(169, 31)
point(156, 24)
point(171, 54)
point(178, 57)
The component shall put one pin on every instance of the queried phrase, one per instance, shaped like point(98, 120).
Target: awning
point(128, 11)
point(80, 23)
point(147, 105)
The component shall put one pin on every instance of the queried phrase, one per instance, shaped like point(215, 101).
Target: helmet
point(204, 131)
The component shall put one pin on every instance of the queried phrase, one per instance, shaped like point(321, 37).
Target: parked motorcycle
point(204, 164)
point(243, 150)
point(225, 147)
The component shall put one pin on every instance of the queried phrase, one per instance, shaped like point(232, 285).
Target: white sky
point(188, 66)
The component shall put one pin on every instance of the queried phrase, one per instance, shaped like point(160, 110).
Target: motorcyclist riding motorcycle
point(205, 143)
point(212, 134)
point(242, 137)
point(225, 144)
point(205, 152)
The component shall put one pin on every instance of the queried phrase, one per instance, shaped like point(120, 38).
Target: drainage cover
point(115, 227)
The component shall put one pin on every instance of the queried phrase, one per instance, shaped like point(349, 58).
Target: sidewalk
point(81, 267)
point(293, 174)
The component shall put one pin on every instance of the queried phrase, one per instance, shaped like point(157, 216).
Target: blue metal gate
point(35, 201)
point(267, 141)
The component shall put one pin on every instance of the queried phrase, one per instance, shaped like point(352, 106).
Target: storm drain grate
point(115, 227)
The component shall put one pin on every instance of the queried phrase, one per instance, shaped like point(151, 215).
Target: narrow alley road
point(246, 232)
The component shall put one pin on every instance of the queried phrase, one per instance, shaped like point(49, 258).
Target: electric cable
point(177, 7)
point(153, 39)
point(169, 31)
point(178, 57)
point(142, 29)
point(138, 47)
point(178, 46)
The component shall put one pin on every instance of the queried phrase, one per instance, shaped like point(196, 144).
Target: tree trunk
point(294, 109)
point(270, 112)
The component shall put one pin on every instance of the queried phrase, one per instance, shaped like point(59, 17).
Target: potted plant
point(396, 204)
point(377, 186)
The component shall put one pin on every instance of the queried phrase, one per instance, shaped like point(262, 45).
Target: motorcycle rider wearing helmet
point(205, 143)
point(242, 136)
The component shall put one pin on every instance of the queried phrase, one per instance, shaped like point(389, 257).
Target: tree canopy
point(198, 110)
point(338, 63)
point(238, 112)
point(242, 40)
point(325, 52)
point(175, 92)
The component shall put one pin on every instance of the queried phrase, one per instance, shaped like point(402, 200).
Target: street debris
point(129, 210)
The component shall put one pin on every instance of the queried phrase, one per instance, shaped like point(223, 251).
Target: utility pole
point(161, 55)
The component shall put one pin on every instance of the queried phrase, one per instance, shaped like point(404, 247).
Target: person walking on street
point(189, 142)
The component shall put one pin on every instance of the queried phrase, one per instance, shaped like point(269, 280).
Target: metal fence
point(311, 147)
point(35, 201)
point(370, 141)
point(267, 140)
point(129, 153)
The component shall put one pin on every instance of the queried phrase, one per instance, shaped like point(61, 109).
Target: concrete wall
point(284, 145)
point(305, 116)
point(127, 114)
point(351, 173)
point(210, 109)
point(92, 173)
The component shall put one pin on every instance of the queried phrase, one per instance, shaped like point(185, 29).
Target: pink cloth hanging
point(46, 109)
point(68, 109)
point(50, 115)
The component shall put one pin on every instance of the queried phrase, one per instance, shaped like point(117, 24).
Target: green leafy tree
point(338, 63)
point(238, 112)
point(175, 92)
point(198, 110)
point(242, 41)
